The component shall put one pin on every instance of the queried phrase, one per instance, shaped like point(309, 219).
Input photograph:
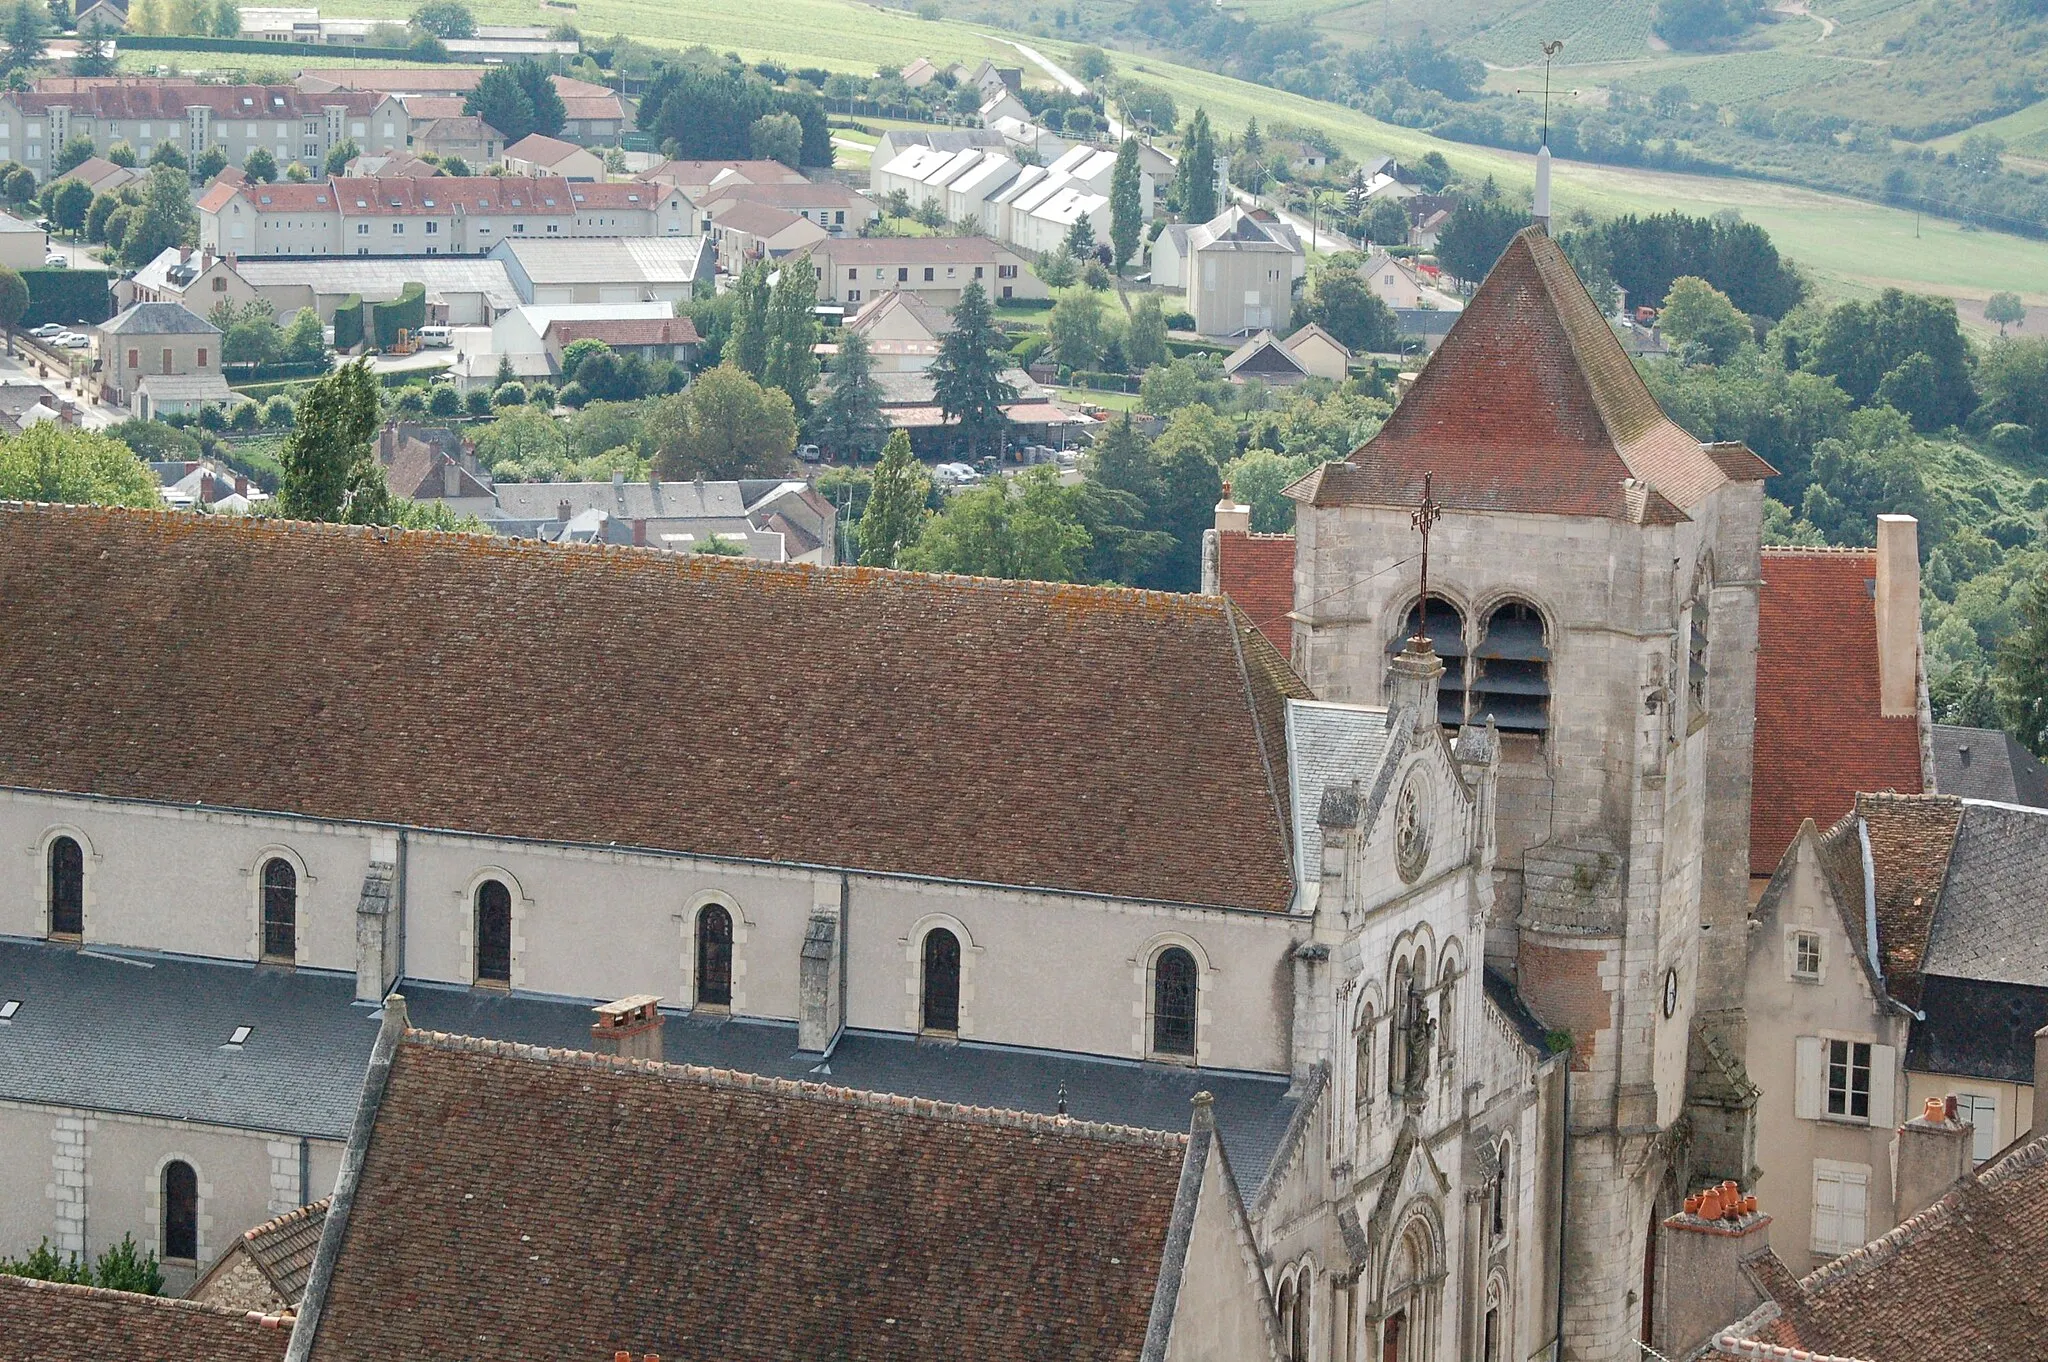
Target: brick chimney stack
point(630, 1027)
point(1232, 515)
point(1702, 1284)
point(1898, 616)
point(1930, 1154)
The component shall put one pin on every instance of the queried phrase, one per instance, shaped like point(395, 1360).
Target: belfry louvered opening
point(1510, 671)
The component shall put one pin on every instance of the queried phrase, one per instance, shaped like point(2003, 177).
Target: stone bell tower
point(1593, 591)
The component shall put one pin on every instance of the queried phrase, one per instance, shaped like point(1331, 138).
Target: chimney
point(387, 443)
point(206, 488)
point(241, 484)
point(619, 485)
point(562, 511)
point(1700, 1260)
point(1412, 679)
point(1232, 515)
point(1542, 211)
point(451, 478)
point(2041, 1082)
point(639, 532)
point(1898, 616)
point(1930, 1154)
point(629, 1028)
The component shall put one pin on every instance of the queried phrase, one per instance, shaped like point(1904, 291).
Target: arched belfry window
point(1446, 629)
point(280, 909)
point(180, 1210)
point(1174, 999)
point(941, 1007)
point(67, 887)
point(714, 956)
point(1511, 671)
point(493, 933)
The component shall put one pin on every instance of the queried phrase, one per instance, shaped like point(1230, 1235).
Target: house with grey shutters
point(159, 358)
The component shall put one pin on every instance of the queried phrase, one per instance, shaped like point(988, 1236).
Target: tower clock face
point(1670, 993)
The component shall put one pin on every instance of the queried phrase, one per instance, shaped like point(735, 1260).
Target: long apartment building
point(441, 215)
point(1030, 207)
point(289, 123)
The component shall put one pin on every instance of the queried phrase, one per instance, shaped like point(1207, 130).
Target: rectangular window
point(135, 359)
point(362, 229)
point(220, 286)
point(853, 295)
point(1006, 271)
point(903, 275)
point(1981, 1112)
point(398, 229)
point(433, 229)
point(852, 274)
point(167, 361)
point(927, 274)
point(518, 229)
point(977, 271)
point(839, 219)
point(202, 357)
point(1841, 1200)
point(1848, 1080)
point(1806, 955)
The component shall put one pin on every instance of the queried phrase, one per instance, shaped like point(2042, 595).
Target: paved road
point(1072, 84)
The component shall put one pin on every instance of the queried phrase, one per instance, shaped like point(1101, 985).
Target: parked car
point(955, 474)
point(56, 260)
point(47, 330)
point(808, 453)
point(434, 337)
point(71, 340)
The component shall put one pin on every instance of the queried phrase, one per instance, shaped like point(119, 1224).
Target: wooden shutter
point(1827, 1209)
point(1884, 1068)
point(1854, 1228)
point(1806, 1094)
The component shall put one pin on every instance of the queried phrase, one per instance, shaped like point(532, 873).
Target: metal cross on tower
point(1425, 515)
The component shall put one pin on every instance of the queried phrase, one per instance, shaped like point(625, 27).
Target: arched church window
point(1502, 1190)
point(941, 1011)
point(714, 956)
point(1511, 671)
point(1446, 1003)
point(1397, 1038)
point(280, 910)
point(1297, 1338)
point(180, 1210)
point(67, 887)
point(1287, 1313)
point(1173, 1002)
point(493, 933)
point(1445, 627)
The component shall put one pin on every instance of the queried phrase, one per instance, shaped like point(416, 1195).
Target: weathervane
point(1425, 515)
point(1550, 51)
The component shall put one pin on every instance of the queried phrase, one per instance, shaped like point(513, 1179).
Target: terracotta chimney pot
point(1710, 1204)
point(1936, 1109)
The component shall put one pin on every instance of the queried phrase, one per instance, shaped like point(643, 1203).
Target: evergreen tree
point(746, 348)
point(93, 59)
point(166, 218)
point(791, 360)
point(1080, 240)
point(26, 25)
point(967, 377)
point(1195, 175)
point(849, 423)
point(330, 472)
point(1126, 206)
point(517, 100)
point(895, 512)
point(2021, 677)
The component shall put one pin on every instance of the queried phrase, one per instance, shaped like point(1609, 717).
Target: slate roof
point(1964, 1281)
point(1975, 1029)
point(1256, 571)
point(1987, 763)
point(697, 1213)
point(1328, 745)
point(802, 753)
point(1992, 923)
point(49, 1322)
point(1821, 736)
point(159, 319)
point(140, 1033)
point(1530, 405)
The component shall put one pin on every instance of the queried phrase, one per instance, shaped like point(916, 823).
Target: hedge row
point(407, 312)
point(67, 296)
point(348, 323)
point(248, 374)
point(289, 51)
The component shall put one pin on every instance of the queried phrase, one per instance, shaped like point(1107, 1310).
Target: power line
point(1361, 581)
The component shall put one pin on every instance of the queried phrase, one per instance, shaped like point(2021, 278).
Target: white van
point(434, 337)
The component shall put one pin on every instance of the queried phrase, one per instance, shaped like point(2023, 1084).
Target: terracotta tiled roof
point(759, 219)
point(1256, 571)
point(704, 172)
point(1964, 1281)
point(622, 194)
point(700, 1213)
point(1911, 837)
point(238, 102)
point(1820, 736)
point(623, 331)
point(537, 147)
point(791, 195)
point(1137, 761)
point(282, 1250)
point(391, 197)
point(1529, 405)
point(584, 108)
point(283, 197)
point(46, 1322)
point(434, 106)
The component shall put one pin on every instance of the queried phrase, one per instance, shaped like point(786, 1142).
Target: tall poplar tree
point(1126, 204)
point(790, 359)
point(896, 505)
point(2021, 676)
point(967, 376)
point(330, 472)
point(746, 346)
point(1196, 173)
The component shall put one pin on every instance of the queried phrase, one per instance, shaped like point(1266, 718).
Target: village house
point(1403, 287)
point(197, 278)
point(742, 230)
point(23, 245)
point(902, 333)
point(476, 142)
point(431, 463)
point(772, 520)
point(518, 337)
point(100, 176)
point(538, 155)
point(1236, 271)
point(834, 207)
point(159, 358)
point(934, 269)
point(666, 338)
point(699, 178)
point(620, 270)
point(1309, 353)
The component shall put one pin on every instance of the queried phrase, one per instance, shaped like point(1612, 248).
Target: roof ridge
point(1817, 550)
point(740, 1081)
point(110, 1295)
point(276, 1223)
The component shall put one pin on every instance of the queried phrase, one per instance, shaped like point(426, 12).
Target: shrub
point(411, 401)
point(1180, 321)
point(543, 396)
point(509, 395)
point(408, 312)
point(212, 418)
point(278, 413)
point(348, 323)
point(443, 400)
point(574, 395)
point(477, 403)
point(247, 416)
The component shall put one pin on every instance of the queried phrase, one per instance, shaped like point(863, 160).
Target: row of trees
point(710, 111)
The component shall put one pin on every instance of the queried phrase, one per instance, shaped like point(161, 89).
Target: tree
point(340, 154)
point(1195, 175)
point(1122, 485)
point(27, 22)
point(1145, 340)
point(2020, 676)
point(227, 19)
point(1189, 452)
point(791, 360)
point(70, 201)
point(328, 462)
point(117, 224)
point(1703, 23)
point(517, 100)
point(13, 303)
point(121, 154)
point(1091, 64)
point(776, 137)
point(103, 206)
point(1075, 330)
point(93, 58)
point(209, 164)
point(1701, 324)
point(1386, 222)
point(20, 186)
point(167, 154)
point(1253, 143)
point(297, 173)
point(1056, 269)
point(709, 113)
point(2005, 309)
point(249, 333)
point(848, 423)
point(725, 425)
point(60, 15)
point(77, 149)
point(1080, 238)
point(746, 346)
point(1126, 205)
point(120, 1268)
point(260, 166)
point(455, 166)
point(1342, 305)
point(895, 513)
point(1475, 236)
point(967, 376)
point(165, 219)
point(445, 19)
point(52, 462)
point(1026, 528)
point(1861, 344)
